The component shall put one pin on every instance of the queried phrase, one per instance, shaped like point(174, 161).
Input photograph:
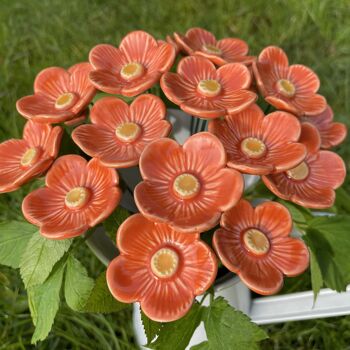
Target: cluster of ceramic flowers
point(186, 189)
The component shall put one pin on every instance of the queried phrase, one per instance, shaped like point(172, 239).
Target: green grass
point(37, 34)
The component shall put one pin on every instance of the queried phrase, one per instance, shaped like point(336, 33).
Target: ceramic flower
point(173, 42)
point(59, 95)
point(159, 267)
point(201, 90)
point(255, 244)
point(187, 186)
point(78, 195)
point(312, 182)
point(200, 42)
point(290, 88)
point(21, 160)
point(132, 68)
point(258, 145)
point(119, 133)
point(332, 134)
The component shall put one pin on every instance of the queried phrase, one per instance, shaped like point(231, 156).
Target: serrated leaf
point(14, 237)
point(150, 327)
point(228, 328)
point(101, 300)
point(329, 239)
point(77, 284)
point(176, 335)
point(112, 223)
point(204, 345)
point(44, 301)
point(316, 275)
point(39, 258)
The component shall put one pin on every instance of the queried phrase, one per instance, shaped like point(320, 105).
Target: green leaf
point(77, 285)
point(316, 275)
point(151, 327)
point(328, 238)
point(44, 301)
point(14, 237)
point(176, 335)
point(299, 214)
point(228, 328)
point(342, 200)
point(112, 223)
point(39, 258)
point(101, 299)
point(204, 345)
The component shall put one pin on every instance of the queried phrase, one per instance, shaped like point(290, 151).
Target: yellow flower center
point(256, 241)
point(30, 156)
point(65, 100)
point(253, 147)
point(286, 88)
point(299, 173)
point(77, 197)
point(211, 49)
point(209, 88)
point(132, 71)
point(164, 262)
point(186, 186)
point(128, 132)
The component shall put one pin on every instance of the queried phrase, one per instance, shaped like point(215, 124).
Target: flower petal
point(147, 109)
point(197, 37)
point(310, 137)
point(333, 135)
point(282, 104)
point(162, 58)
point(107, 57)
point(310, 104)
point(234, 76)
point(304, 79)
point(194, 69)
point(273, 55)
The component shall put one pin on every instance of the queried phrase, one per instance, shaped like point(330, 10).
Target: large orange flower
point(132, 68)
point(21, 160)
point(187, 187)
point(255, 244)
point(201, 90)
point(290, 88)
point(119, 133)
point(159, 267)
point(311, 183)
point(332, 134)
point(78, 195)
point(59, 95)
point(200, 42)
point(258, 145)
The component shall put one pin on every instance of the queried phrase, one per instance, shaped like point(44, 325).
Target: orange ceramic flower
point(59, 95)
point(161, 268)
point(258, 145)
point(255, 244)
point(119, 133)
point(311, 183)
point(200, 42)
point(201, 90)
point(132, 68)
point(290, 88)
point(21, 160)
point(78, 195)
point(187, 187)
point(332, 134)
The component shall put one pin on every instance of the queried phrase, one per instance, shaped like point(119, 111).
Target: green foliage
point(14, 237)
point(114, 221)
point(39, 258)
point(77, 284)
point(316, 275)
point(228, 328)
point(101, 300)
point(44, 301)
point(150, 327)
point(328, 238)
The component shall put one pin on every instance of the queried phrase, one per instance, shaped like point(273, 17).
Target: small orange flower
point(187, 187)
point(171, 41)
point(119, 133)
point(22, 160)
point(59, 95)
point(311, 183)
point(290, 88)
point(332, 134)
point(78, 195)
point(200, 42)
point(161, 268)
point(132, 68)
point(258, 145)
point(255, 244)
point(201, 90)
